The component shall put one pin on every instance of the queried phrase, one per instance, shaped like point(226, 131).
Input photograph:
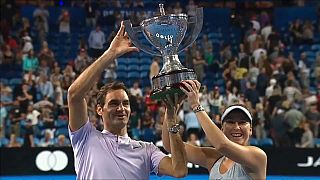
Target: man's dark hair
point(104, 90)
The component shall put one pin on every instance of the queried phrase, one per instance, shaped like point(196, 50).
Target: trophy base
point(169, 83)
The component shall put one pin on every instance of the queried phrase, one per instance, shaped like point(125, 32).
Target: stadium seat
point(144, 74)
point(315, 47)
point(64, 131)
point(4, 142)
point(122, 67)
point(134, 75)
point(253, 141)
point(133, 67)
point(148, 134)
point(122, 75)
point(36, 141)
point(266, 142)
point(145, 68)
point(15, 81)
point(132, 61)
point(4, 81)
point(317, 142)
point(145, 61)
point(60, 123)
point(20, 140)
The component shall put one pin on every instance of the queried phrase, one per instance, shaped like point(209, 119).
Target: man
point(231, 157)
point(96, 41)
point(111, 154)
point(154, 68)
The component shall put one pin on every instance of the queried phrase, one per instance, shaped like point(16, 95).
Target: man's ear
point(99, 110)
point(250, 131)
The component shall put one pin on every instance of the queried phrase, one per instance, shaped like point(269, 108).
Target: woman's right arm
point(254, 157)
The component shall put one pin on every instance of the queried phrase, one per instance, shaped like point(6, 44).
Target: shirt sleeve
point(156, 156)
point(79, 137)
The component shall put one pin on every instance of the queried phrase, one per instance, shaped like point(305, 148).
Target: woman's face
point(237, 128)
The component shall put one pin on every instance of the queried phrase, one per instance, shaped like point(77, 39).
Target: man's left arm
point(176, 165)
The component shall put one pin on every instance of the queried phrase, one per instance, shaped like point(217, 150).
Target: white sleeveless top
point(234, 172)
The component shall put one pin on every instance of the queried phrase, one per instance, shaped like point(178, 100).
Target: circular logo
point(47, 160)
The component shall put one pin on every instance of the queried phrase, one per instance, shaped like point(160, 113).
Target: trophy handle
point(197, 20)
point(133, 33)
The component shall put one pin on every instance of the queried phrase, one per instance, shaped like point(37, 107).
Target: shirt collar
point(125, 139)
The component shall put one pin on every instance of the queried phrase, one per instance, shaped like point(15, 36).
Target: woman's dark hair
point(104, 90)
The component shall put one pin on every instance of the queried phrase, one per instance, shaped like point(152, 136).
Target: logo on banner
point(47, 160)
point(310, 162)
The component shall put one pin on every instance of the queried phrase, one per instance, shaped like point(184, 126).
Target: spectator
point(47, 140)
point(154, 68)
point(27, 45)
point(134, 125)
point(204, 98)
point(291, 91)
point(262, 82)
point(110, 72)
point(82, 61)
point(8, 55)
point(191, 122)
point(307, 137)
point(199, 65)
point(279, 128)
point(252, 94)
point(62, 141)
point(43, 14)
point(313, 118)
point(96, 41)
point(30, 62)
point(32, 115)
point(266, 31)
point(215, 100)
point(136, 90)
point(45, 86)
point(29, 134)
point(46, 55)
point(25, 97)
point(64, 21)
point(269, 89)
point(304, 70)
point(177, 9)
point(296, 30)
point(13, 141)
point(308, 32)
point(90, 11)
point(193, 139)
point(3, 117)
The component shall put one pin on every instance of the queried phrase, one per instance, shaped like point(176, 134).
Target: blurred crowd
point(269, 70)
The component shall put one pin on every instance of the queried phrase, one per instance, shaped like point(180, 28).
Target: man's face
point(116, 110)
point(237, 127)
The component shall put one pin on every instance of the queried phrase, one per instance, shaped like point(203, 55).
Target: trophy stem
point(171, 63)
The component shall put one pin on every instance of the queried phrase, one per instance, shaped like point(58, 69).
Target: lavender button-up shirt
point(103, 155)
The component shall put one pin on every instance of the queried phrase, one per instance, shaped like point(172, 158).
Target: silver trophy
point(168, 35)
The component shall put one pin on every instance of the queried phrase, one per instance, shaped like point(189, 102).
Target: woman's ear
point(99, 110)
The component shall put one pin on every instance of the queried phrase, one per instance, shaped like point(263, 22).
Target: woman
point(231, 158)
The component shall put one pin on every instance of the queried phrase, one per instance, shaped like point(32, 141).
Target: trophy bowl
point(167, 36)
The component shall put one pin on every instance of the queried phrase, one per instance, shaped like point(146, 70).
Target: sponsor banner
point(50, 161)
point(36, 161)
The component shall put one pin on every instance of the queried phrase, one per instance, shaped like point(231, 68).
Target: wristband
point(174, 129)
point(198, 109)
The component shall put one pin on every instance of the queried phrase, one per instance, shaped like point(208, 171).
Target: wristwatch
point(174, 129)
point(198, 109)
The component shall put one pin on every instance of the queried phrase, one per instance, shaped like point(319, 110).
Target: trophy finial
point(162, 13)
